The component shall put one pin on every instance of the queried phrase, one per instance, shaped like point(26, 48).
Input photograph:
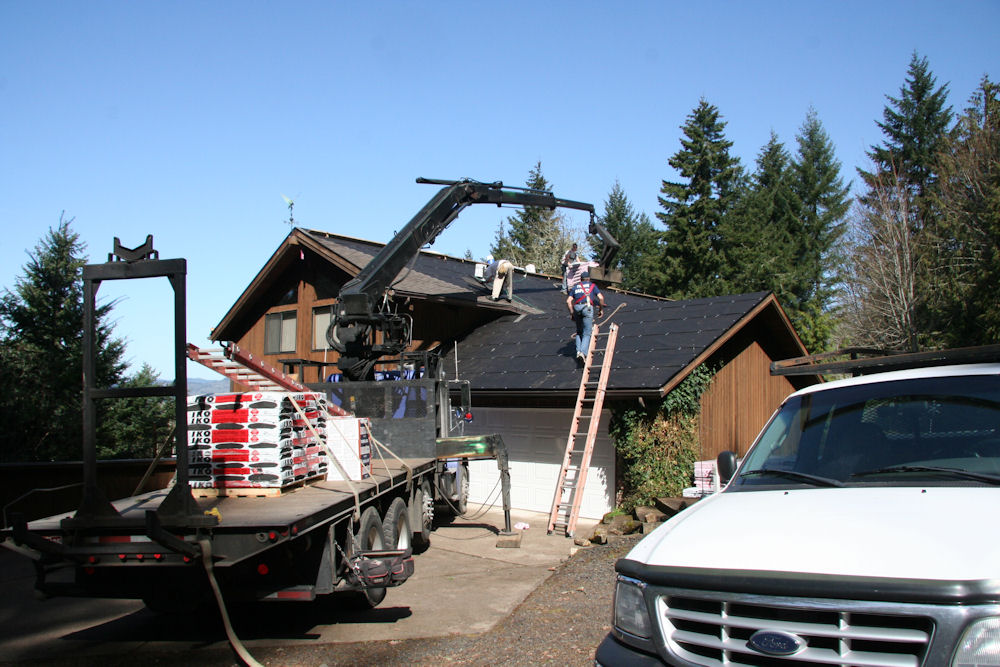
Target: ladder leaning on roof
point(590, 400)
point(241, 367)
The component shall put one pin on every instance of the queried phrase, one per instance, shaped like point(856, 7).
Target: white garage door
point(536, 444)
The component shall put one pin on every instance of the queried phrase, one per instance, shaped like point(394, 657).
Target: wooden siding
point(741, 399)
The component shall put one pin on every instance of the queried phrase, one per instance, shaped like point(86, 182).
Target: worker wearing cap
point(501, 272)
point(582, 299)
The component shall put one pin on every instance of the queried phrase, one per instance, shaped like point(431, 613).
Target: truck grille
point(706, 631)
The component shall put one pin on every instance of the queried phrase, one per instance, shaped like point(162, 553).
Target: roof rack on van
point(863, 361)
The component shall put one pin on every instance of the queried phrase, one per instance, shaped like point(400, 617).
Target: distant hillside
point(199, 386)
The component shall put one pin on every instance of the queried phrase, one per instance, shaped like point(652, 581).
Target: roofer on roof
point(581, 301)
point(501, 272)
point(568, 259)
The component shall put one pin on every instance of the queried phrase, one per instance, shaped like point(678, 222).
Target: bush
point(658, 446)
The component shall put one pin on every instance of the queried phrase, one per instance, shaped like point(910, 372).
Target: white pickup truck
point(861, 529)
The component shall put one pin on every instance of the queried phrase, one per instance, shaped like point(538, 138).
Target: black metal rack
point(864, 361)
point(179, 507)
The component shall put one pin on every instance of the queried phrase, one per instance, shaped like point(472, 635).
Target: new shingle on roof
point(532, 348)
point(656, 340)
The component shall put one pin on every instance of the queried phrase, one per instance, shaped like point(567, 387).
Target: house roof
point(529, 346)
point(659, 342)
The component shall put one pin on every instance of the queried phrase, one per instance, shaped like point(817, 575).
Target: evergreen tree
point(636, 238)
point(692, 264)
point(962, 306)
point(536, 235)
point(757, 236)
point(135, 427)
point(915, 125)
point(825, 202)
point(41, 358)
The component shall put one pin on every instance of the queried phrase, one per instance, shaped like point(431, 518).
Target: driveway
point(463, 584)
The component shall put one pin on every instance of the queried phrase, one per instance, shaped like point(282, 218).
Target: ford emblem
point(772, 642)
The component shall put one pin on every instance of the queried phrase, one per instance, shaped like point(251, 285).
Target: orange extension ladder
point(590, 400)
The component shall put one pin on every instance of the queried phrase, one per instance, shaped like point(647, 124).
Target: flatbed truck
point(178, 547)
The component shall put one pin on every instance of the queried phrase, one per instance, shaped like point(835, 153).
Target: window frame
point(277, 347)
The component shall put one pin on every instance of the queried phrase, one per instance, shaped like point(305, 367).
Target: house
point(519, 357)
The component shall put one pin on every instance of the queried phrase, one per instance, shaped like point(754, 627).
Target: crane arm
point(358, 314)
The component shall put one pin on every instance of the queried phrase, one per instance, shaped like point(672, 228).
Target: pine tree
point(135, 427)
point(757, 237)
point(915, 125)
point(41, 335)
point(825, 202)
point(536, 235)
point(637, 239)
point(963, 308)
point(692, 264)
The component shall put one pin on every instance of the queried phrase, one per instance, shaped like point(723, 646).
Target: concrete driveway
point(463, 584)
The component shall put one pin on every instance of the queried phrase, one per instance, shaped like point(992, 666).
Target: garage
point(536, 444)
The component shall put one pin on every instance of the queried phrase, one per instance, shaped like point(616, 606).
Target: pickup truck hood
point(944, 533)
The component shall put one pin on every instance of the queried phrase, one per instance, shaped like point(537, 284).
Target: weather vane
point(291, 205)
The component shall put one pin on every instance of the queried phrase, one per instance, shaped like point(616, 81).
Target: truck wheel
point(367, 537)
point(422, 516)
point(396, 526)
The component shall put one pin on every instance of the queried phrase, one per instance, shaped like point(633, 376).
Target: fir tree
point(637, 239)
point(915, 125)
point(963, 308)
point(825, 202)
point(757, 236)
point(41, 335)
point(693, 208)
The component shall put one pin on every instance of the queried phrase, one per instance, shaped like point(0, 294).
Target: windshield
point(942, 430)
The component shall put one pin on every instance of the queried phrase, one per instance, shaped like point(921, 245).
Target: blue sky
point(190, 120)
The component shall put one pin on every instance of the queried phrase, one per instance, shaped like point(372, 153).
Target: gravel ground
point(560, 623)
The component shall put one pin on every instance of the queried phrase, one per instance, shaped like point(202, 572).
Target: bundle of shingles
point(256, 440)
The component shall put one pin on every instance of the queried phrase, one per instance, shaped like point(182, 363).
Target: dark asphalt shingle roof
point(530, 347)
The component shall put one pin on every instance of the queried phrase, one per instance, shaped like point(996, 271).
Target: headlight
point(631, 614)
point(980, 645)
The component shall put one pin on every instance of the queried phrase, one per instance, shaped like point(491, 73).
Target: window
point(279, 332)
point(321, 322)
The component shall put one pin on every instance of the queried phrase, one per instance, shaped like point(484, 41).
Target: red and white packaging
point(348, 439)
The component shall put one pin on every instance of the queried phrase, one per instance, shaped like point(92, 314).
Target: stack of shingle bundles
point(253, 440)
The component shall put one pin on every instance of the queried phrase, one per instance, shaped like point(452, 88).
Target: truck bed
point(239, 511)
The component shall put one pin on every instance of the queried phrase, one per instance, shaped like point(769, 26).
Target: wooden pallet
point(254, 492)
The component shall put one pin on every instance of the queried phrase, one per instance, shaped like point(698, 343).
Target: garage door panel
point(536, 442)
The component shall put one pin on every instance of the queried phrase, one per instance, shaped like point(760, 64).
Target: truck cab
point(859, 529)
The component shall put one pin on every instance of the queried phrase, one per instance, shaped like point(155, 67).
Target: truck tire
point(367, 537)
point(422, 516)
point(462, 502)
point(396, 530)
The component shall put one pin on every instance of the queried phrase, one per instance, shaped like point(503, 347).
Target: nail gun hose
point(234, 641)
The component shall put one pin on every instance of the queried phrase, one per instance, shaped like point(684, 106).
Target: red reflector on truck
point(294, 595)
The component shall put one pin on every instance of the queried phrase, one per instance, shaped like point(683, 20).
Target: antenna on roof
point(291, 204)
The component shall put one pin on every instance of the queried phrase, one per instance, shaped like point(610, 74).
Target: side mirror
point(725, 463)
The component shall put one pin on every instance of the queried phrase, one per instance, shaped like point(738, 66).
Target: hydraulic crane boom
point(361, 312)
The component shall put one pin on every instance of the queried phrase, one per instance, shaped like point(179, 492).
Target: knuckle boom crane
point(364, 328)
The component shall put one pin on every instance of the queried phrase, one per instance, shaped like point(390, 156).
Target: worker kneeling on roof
point(501, 272)
point(582, 299)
